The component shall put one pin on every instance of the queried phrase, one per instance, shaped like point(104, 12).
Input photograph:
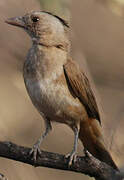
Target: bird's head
point(43, 27)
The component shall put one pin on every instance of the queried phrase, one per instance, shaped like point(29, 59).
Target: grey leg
point(72, 155)
point(36, 146)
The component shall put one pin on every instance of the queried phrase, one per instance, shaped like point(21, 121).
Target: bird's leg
point(36, 147)
point(72, 155)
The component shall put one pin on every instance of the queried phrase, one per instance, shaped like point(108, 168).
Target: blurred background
point(97, 45)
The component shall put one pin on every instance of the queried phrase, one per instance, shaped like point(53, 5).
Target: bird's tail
point(92, 140)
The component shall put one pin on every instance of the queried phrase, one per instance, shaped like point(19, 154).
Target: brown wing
point(80, 88)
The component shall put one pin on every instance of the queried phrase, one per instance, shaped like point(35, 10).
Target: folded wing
point(80, 88)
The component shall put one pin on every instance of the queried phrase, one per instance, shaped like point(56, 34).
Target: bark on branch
point(87, 165)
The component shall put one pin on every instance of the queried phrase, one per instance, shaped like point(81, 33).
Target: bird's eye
point(35, 19)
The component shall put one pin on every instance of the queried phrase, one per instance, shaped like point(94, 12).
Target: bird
point(58, 87)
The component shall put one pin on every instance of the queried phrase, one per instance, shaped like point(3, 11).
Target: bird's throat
point(44, 61)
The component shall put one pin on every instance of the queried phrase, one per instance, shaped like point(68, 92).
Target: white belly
point(49, 98)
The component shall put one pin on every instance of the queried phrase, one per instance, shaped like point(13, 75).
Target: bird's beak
point(16, 21)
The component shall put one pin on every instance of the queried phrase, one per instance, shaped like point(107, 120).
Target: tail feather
point(103, 155)
point(91, 137)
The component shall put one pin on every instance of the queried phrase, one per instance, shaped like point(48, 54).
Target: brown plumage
point(57, 87)
point(90, 132)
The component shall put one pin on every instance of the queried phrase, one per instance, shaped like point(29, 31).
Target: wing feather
point(79, 86)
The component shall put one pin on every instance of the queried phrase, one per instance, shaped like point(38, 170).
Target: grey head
point(44, 28)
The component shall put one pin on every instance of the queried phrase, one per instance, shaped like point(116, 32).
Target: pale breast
point(46, 84)
point(52, 99)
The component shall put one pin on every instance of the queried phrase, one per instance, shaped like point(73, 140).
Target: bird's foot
point(72, 157)
point(35, 151)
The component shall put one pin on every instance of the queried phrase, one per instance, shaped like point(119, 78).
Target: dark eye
point(35, 19)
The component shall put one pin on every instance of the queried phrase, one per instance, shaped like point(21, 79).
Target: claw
point(35, 151)
point(36, 148)
point(72, 158)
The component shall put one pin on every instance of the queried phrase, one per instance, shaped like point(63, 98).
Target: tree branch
point(87, 165)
